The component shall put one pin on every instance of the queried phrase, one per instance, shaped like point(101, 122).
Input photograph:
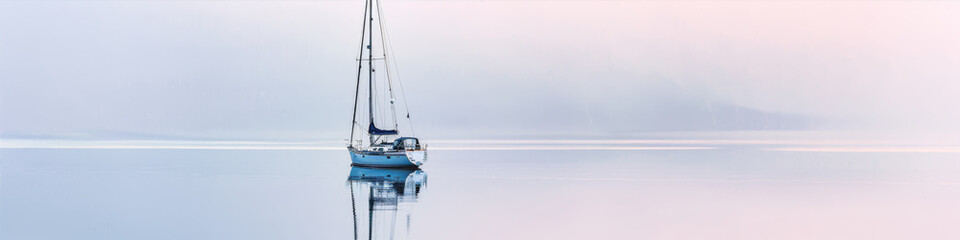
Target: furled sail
point(376, 131)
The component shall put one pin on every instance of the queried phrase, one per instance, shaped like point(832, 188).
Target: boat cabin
point(410, 143)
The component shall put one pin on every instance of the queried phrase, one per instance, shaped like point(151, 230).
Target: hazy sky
point(285, 70)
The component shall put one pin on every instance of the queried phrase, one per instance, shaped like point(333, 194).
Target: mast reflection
point(382, 201)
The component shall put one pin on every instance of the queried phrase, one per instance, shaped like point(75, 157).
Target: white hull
point(401, 158)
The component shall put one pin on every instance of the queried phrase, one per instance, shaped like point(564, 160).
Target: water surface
point(696, 191)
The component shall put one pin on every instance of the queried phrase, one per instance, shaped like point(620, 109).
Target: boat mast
point(370, 66)
point(356, 93)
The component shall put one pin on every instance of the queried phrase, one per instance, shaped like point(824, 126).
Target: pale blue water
point(731, 192)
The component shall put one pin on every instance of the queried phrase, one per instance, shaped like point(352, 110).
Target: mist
point(277, 70)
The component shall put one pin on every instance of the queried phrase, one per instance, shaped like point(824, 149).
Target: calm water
point(730, 192)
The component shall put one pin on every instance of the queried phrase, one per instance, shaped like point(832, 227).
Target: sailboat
point(382, 146)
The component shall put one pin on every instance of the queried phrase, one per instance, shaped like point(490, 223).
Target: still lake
point(741, 191)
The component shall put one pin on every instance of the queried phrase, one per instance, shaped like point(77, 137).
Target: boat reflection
point(382, 201)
